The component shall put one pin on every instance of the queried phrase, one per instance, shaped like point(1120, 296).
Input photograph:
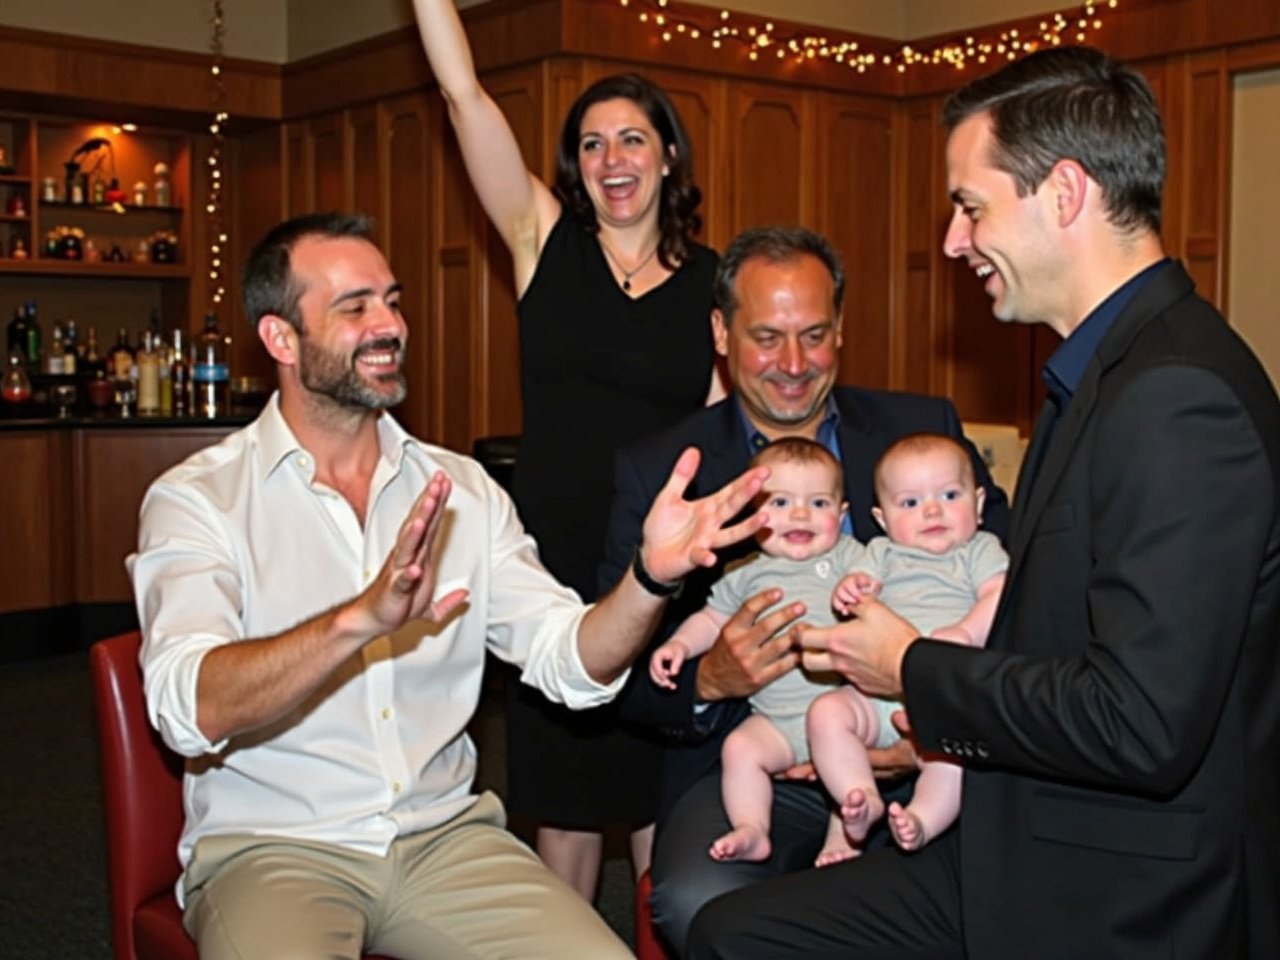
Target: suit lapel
point(724, 452)
point(857, 446)
point(1054, 449)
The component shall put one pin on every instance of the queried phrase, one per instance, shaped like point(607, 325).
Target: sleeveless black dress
point(599, 369)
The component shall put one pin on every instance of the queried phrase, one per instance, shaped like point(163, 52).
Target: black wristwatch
point(655, 587)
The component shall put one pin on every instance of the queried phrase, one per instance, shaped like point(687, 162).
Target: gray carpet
point(53, 887)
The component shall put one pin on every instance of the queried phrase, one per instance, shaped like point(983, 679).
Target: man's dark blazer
point(1122, 797)
point(869, 421)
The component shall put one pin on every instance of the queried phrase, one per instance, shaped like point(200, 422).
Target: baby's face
point(803, 507)
point(929, 500)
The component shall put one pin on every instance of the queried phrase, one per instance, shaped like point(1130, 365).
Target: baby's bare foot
point(742, 843)
point(836, 847)
point(908, 832)
point(860, 809)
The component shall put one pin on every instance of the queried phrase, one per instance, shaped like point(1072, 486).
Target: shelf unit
point(95, 291)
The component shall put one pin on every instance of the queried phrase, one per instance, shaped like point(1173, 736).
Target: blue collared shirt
point(828, 435)
point(1065, 368)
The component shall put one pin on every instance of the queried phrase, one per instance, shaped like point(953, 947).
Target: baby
point(937, 570)
point(802, 552)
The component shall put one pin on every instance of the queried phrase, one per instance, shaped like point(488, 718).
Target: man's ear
point(279, 337)
point(879, 516)
point(719, 331)
point(1070, 185)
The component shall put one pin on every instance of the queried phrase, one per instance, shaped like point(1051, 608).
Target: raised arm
point(520, 205)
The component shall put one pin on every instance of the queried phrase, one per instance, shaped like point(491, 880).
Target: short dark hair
point(776, 244)
point(918, 443)
point(1074, 103)
point(268, 284)
point(678, 220)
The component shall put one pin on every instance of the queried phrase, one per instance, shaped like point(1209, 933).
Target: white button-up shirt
point(240, 541)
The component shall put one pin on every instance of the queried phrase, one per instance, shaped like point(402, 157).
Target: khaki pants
point(466, 889)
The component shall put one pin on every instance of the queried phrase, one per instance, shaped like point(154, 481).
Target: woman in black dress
point(614, 309)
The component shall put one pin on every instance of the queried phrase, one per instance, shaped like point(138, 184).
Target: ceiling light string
point(761, 40)
point(214, 207)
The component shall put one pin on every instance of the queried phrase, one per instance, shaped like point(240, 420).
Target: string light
point(217, 127)
point(757, 38)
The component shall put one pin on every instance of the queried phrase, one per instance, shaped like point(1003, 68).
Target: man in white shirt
point(317, 593)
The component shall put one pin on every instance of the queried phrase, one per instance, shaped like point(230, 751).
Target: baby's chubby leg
point(751, 755)
point(934, 805)
point(840, 725)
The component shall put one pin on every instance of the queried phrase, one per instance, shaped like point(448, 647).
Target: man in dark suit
point(1120, 729)
point(777, 324)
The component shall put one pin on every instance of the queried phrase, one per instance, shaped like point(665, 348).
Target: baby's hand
point(665, 664)
point(852, 589)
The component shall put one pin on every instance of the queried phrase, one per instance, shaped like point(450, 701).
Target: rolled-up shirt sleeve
point(533, 620)
point(189, 597)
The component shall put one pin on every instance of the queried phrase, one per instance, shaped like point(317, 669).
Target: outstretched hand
point(404, 587)
point(680, 535)
point(867, 650)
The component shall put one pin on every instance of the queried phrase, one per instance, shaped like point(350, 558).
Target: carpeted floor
point(53, 890)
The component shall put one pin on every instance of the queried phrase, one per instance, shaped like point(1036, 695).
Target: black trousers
point(685, 878)
point(884, 905)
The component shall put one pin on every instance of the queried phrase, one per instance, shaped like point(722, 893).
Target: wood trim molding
point(57, 73)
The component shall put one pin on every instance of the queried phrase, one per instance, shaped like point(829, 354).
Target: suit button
point(947, 746)
point(983, 750)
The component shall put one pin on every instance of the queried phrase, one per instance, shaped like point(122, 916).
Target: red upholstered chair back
point(649, 943)
point(142, 794)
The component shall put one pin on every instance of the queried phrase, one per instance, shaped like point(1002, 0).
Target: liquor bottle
point(180, 377)
point(120, 359)
point(92, 359)
point(210, 376)
point(71, 340)
point(33, 336)
point(148, 378)
point(54, 356)
point(164, 359)
point(18, 331)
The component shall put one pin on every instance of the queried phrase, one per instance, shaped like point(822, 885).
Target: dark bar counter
point(70, 489)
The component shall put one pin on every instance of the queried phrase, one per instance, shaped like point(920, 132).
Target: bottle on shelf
point(120, 359)
point(15, 386)
point(210, 375)
point(148, 363)
point(179, 377)
point(17, 330)
point(160, 190)
point(92, 359)
point(33, 336)
point(53, 360)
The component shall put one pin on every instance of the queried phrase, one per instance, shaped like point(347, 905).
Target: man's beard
point(791, 417)
point(332, 375)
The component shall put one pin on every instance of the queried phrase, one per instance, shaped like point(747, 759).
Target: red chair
point(142, 793)
point(649, 944)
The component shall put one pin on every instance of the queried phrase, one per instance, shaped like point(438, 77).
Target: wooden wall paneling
point(522, 96)
point(918, 324)
point(855, 212)
point(406, 242)
point(370, 193)
point(1169, 95)
point(328, 160)
point(35, 568)
point(771, 135)
point(298, 169)
point(1205, 192)
point(112, 470)
point(256, 200)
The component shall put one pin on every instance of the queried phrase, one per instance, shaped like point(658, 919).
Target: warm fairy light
point(798, 47)
point(213, 208)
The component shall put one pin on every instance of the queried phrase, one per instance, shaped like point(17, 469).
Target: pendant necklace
point(628, 274)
